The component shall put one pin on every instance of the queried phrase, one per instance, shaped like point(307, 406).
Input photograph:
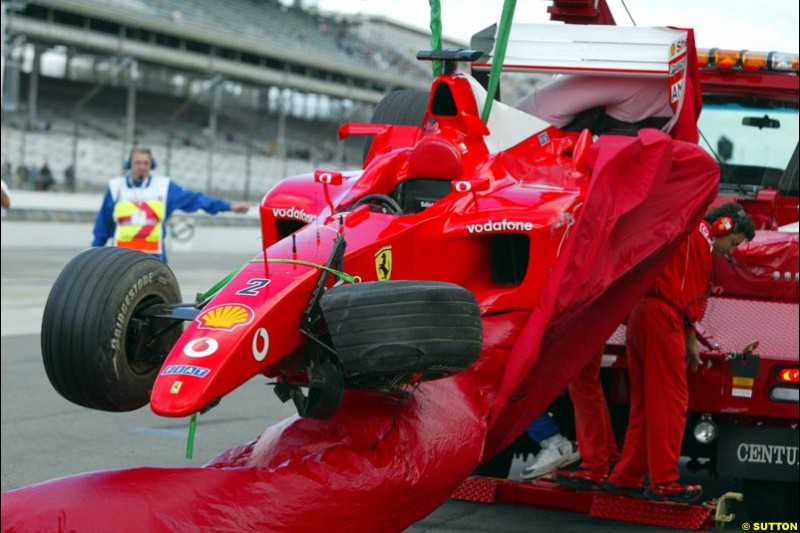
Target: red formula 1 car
point(375, 279)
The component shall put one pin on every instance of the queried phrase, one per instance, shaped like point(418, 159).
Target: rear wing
point(591, 50)
point(569, 49)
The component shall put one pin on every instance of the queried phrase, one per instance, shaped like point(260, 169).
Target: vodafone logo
point(293, 213)
point(328, 177)
point(200, 347)
point(462, 186)
point(260, 344)
point(491, 226)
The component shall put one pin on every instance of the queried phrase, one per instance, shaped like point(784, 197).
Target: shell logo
point(225, 317)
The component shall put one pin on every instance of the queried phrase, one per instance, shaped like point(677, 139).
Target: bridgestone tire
point(400, 108)
point(92, 352)
point(390, 331)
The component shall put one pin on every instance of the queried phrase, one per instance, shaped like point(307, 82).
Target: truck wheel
point(399, 108)
point(98, 351)
point(389, 332)
point(771, 500)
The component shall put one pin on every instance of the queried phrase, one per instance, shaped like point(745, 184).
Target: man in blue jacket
point(137, 205)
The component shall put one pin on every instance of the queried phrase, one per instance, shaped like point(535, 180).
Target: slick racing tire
point(399, 108)
point(98, 351)
point(392, 332)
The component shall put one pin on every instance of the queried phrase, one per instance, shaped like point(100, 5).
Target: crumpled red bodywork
point(355, 472)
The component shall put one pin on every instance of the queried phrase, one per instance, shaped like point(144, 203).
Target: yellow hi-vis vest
point(139, 213)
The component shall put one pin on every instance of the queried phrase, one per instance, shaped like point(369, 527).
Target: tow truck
point(743, 403)
point(742, 425)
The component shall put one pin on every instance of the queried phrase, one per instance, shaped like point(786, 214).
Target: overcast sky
point(764, 25)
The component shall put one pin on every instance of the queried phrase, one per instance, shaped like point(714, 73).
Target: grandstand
point(231, 94)
point(102, 145)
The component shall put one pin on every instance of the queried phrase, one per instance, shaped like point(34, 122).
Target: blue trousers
point(543, 428)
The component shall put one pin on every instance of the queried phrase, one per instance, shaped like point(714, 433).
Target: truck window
point(754, 139)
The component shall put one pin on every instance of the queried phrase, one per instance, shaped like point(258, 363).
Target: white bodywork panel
point(570, 49)
point(507, 126)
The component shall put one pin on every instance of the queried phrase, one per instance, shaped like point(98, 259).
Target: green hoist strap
point(436, 34)
point(190, 439)
point(338, 273)
point(501, 43)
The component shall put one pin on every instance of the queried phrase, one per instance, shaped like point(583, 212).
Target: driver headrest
point(434, 157)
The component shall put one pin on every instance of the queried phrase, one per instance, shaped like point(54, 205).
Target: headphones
point(722, 227)
point(126, 165)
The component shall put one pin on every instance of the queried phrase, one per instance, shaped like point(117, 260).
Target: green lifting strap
point(436, 34)
point(501, 43)
point(338, 273)
point(221, 283)
point(190, 439)
point(224, 281)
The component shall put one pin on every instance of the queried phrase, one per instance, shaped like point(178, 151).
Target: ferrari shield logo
point(176, 387)
point(383, 263)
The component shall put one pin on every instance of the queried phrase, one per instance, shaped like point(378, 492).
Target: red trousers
point(656, 348)
point(592, 421)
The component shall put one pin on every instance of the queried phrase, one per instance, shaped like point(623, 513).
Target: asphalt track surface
point(45, 437)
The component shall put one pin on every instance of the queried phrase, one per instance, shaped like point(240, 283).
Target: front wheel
point(99, 350)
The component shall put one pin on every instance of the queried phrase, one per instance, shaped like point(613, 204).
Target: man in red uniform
point(661, 343)
point(593, 429)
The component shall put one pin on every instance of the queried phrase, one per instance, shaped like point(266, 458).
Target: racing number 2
point(254, 287)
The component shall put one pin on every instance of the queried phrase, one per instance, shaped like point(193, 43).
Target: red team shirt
point(686, 279)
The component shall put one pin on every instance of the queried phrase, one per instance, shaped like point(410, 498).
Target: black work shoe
point(673, 492)
point(581, 479)
point(619, 490)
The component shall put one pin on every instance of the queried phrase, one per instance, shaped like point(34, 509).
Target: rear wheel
point(399, 108)
point(98, 348)
point(390, 333)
